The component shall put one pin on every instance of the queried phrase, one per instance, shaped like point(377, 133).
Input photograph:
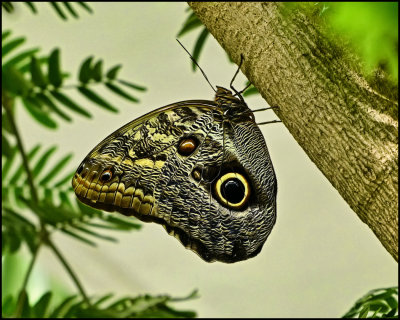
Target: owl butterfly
point(199, 168)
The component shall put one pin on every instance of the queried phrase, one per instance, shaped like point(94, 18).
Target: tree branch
point(347, 126)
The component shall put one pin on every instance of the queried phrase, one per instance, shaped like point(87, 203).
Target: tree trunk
point(347, 126)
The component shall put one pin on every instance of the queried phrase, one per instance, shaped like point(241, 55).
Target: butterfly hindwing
point(199, 168)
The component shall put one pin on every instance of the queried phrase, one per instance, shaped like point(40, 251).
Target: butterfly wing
point(179, 166)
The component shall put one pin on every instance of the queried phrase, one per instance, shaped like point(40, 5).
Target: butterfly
point(199, 168)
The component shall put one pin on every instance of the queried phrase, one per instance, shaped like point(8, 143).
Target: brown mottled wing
point(138, 171)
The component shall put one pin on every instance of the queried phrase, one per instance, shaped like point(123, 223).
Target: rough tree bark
point(347, 126)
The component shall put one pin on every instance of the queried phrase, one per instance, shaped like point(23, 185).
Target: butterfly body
point(200, 168)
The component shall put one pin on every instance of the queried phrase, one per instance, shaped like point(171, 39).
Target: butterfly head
point(235, 109)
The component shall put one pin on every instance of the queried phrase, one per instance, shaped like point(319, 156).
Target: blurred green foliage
point(372, 29)
point(377, 303)
point(37, 197)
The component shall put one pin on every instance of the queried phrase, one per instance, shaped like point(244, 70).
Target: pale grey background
point(319, 258)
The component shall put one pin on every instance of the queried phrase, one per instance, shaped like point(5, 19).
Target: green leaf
point(20, 57)
point(49, 213)
point(18, 194)
point(38, 78)
point(364, 312)
point(64, 180)
point(5, 123)
point(131, 85)
point(392, 314)
point(5, 34)
point(97, 71)
point(40, 309)
point(193, 295)
point(48, 196)
point(70, 9)
point(8, 306)
point(58, 10)
point(352, 20)
point(58, 312)
point(199, 46)
point(70, 104)
point(21, 168)
point(26, 309)
point(8, 162)
point(7, 48)
point(13, 241)
point(8, 6)
point(86, 210)
point(41, 163)
point(85, 6)
point(102, 299)
point(374, 315)
point(56, 169)
point(95, 234)
point(382, 302)
point(192, 22)
point(17, 217)
point(31, 239)
point(124, 223)
point(105, 226)
point(65, 202)
point(112, 73)
point(250, 91)
point(85, 70)
point(44, 99)
point(27, 67)
point(91, 95)
point(55, 76)
point(5, 194)
point(38, 114)
point(31, 6)
point(14, 81)
point(120, 92)
point(6, 149)
point(80, 238)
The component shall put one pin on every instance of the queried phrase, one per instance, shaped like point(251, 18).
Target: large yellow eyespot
point(233, 190)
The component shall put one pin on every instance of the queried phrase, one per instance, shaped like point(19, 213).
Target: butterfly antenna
point(234, 77)
point(237, 71)
point(268, 122)
point(263, 109)
point(195, 62)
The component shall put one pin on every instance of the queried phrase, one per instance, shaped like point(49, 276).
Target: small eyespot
point(196, 174)
point(187, 146)
point(106, 175)
point(233, 190)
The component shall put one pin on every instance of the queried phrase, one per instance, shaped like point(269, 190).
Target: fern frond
point(142, 306)
point(377, 303)
point(43, 95)
point(62, 9)
point(16, 229)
